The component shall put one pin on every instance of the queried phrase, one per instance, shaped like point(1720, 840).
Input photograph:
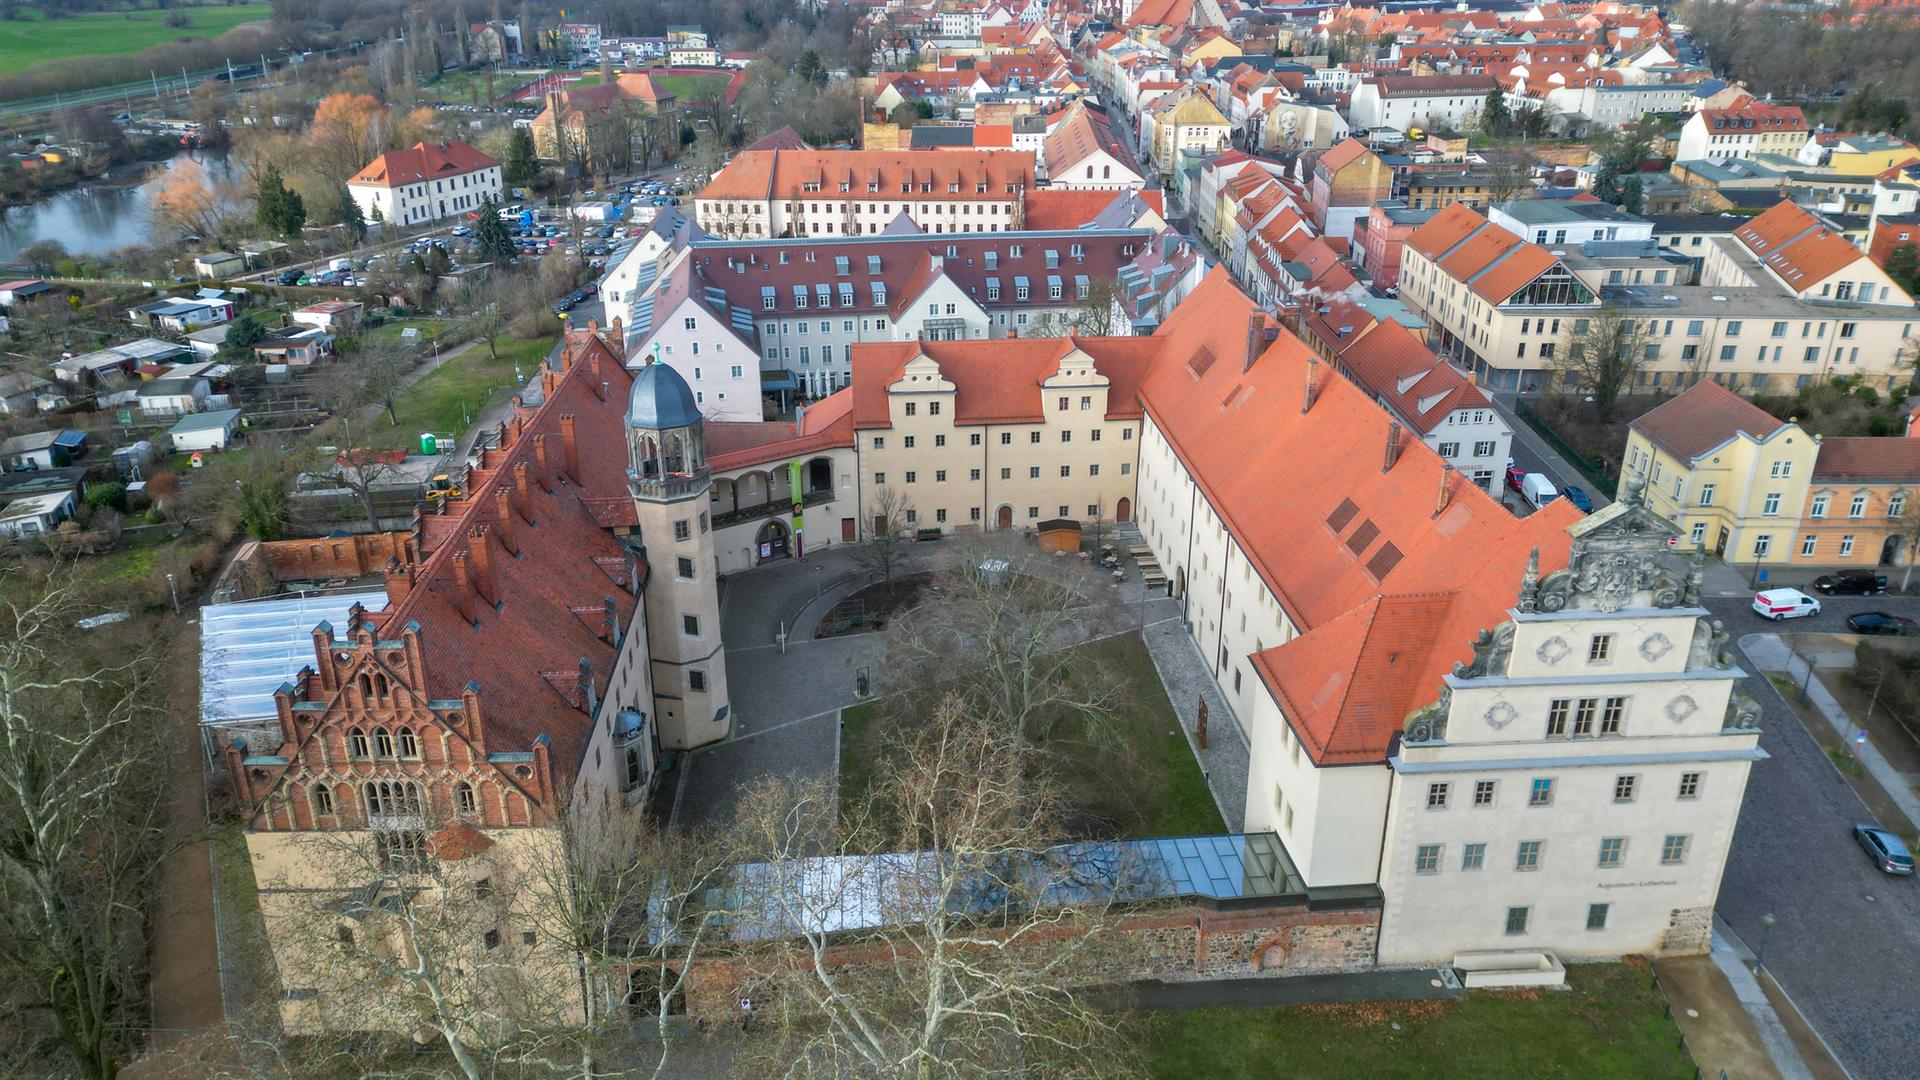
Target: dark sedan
point(1851, 583)
point(1579, 498)
point(1879, 622)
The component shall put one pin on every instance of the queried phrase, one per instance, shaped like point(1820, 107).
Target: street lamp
point(1766, 926)
point(175, 592)
point(817, 580)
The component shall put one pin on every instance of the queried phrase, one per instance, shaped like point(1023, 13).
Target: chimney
point(1446, 489)
point(617, 337)
point(1393, 445)
point(521, 494)
point(503, 518)
point(545, 472)
point(480, 556)
point(1256, 323)
point(1313, 384)
point(463, 588)
point(570, 447)
point(399, 582)
point(323, 657)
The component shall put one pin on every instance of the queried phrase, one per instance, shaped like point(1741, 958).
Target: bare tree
point(80, 808)
point(1000, 633)
point(885, 533)
point(1601, 355)
point(925, 937)
point(633, 905)
point(494, 305)
point(1509, 174)
point(354, 465)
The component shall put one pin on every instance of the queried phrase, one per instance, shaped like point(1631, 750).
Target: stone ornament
point(1655, 646)
point(1681, 707)
point(1499, 715)
point(1553, 650)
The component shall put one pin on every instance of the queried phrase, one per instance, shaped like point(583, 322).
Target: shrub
point(114, 495)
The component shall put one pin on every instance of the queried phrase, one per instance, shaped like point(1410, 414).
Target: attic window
point(1341, 515)
point(1383, 561)
point(1362, 536)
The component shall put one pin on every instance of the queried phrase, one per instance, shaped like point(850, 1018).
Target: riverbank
point(20, 187)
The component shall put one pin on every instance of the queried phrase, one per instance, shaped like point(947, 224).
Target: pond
point(101, 216)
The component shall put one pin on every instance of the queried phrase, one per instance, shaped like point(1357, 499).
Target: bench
point(1519, 967)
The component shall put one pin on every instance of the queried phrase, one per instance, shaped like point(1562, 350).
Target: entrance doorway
point(1893, 550)
point(848, 530)
point(1123, 510)
point(773, 542)
point(1003, 518)
point(1178, 585)
point(1720, 542)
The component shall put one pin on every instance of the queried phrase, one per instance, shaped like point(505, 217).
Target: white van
point(1779, 604)
point(1537, 490)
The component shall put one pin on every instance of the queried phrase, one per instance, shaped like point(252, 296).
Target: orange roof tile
point(1370, 562)
point(1706, 415)
point(998, 382)
point(421, 161)
point(1796, 247)
point(764, 174)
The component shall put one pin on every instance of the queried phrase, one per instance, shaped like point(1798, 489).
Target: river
point(100, 216)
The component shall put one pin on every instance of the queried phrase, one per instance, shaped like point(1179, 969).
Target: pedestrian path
point(1770, 654)
point(1183, 671)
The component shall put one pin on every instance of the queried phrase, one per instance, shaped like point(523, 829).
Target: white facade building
point(425, 182)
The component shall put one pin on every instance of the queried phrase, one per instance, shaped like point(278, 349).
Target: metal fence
point(1596, 472)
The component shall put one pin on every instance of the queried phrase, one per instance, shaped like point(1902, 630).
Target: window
point(1449, 449)
point(1033, 472)
point(1770, 506)
point(492, 940)
point(1557, 716)
point(1673, 850)
point(1689, 785)
point(356, 743)
point(1706, 494)
point(879, 479)
point(1846, 545)
point(1541, 792)
point(1437, 795)
point(1483, 792)
point(1624, 788)
point(1528, 855)
point(463, 799)
point(1517, 920)
point(323, 800)
point(690, 625)
point(1612, 850)
point(939, 441)
point(1781, 470)
point(1761, 546)
point(1473, 857)
point(1426, 859)
point(680, 530)
point(1597, 916)
point(1600, 649)
point(1698, 535)
point(1896, 506)
point(912, 476)
point(1858, 507)
point(382, 743)
point(1006, 438)
point(1033, 437)
point(1611, 714)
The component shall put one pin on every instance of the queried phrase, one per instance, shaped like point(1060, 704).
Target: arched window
point(392, 798)
point(409, 747)
point(463, 798)
point(366, 687)
point(382, 743)
point(356, 743)
point(322, 801)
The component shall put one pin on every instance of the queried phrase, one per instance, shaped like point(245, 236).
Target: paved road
point(1847, 938)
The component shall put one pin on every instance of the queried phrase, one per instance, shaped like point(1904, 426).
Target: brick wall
point(333, 557)
point(1689, 931)
point(1179, 945)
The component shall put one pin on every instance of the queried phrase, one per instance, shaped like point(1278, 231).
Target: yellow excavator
point(442, 484)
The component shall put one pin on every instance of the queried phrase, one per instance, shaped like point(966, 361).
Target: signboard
point(123, 416)
point(410, 333)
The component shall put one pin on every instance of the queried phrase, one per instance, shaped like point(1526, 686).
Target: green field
point(1610, 1022)
point(694, 87)
point(31, 39)
point(447, 400)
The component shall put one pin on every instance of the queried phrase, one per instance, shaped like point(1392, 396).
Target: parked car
point(1851, 583)
point(1578, 497)
point(1777, 604)
point(1537, 490)
point(1880, 622)
point(1515, 475)
point(289, 277)
point(462, 230)
point(563, 305)
point(1889, 853)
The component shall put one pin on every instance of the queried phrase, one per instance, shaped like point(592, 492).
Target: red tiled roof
point(566, 559)
point(422, 161)
point(1703, 417)
point(828, 423)
point(1796, 247)
point(1070, 208)
point(763, 174)
point(1385, 647)
point(998, 382)
point(1755, 117)
point(1886, 460)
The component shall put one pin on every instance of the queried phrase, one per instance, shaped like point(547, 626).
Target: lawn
point(32, 39)
point(694, 87)
point(1611, 1022)
point(1147, 785)
point(446, 401)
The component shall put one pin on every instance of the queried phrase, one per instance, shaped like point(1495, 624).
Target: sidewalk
point(1403, 985)
point(1770, 654)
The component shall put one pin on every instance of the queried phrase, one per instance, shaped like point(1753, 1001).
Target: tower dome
point(661, 399)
